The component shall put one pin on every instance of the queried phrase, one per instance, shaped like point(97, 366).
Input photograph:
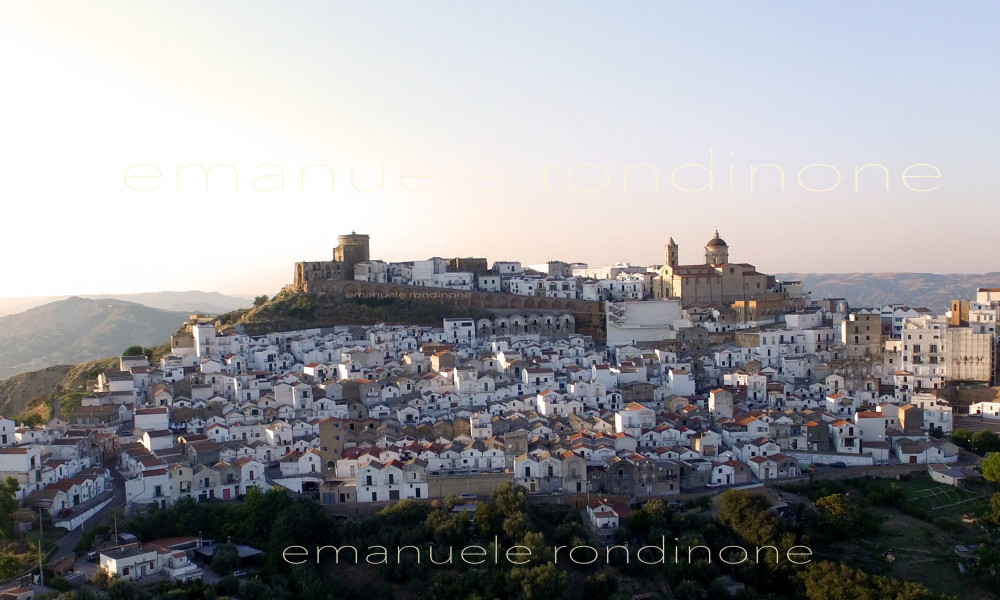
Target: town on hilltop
point(620, 381)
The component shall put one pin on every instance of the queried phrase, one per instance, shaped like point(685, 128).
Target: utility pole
point(41, 539)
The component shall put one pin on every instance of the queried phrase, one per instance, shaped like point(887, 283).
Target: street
point(68, 542)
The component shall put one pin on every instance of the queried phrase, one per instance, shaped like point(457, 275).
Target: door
point(225, 494)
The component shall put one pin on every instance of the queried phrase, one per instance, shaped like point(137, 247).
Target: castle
point(353, 249)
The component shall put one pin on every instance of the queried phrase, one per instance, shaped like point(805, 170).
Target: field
point(918, 539)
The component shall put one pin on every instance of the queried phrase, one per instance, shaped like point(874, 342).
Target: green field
point(922, 527)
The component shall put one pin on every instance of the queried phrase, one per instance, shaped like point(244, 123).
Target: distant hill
point(29, 393)
point(79, 329)
point(192, 301)
point(932, 290)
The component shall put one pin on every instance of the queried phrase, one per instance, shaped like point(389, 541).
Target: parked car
point(712, 484)
point(839, 465)
point(239, 573)
point(91, 557)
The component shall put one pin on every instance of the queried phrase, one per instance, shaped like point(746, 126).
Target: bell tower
point(672, 252)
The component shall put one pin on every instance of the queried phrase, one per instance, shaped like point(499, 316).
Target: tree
point(541, 552)
point(260, 300)
point(101, 578)
point(302, 307)
point(139, 351)
point(687, 590)
point(544, 581)
point(995, 508)
point(749, 516)
point(600, 586)
point(8, 504)
point(511, 499)
point(836, 505)
point(962, 438)
point(119, 589)
point(991, 467)
point(486, 519)
point(225, 559)
point(985, 441)
point(835, 581)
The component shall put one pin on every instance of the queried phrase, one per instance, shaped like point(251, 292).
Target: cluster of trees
point(275, 520)
point(980, 442)
point(296, 309)
point(139, 351)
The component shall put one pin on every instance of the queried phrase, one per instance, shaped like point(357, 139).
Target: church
point(717, 281)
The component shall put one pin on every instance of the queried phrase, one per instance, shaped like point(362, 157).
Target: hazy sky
point(503, 129)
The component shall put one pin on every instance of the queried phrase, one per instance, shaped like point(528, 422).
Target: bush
point(948, 525)
point(58, 583)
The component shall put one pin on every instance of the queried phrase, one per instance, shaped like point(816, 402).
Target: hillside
point(26, 393)
point(933, 290)
point(289, 311)
point(77, 329)
point(191, 301)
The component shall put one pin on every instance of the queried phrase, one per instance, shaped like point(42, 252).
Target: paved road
point(68, 542)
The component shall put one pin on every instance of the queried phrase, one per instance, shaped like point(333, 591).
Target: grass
point(924, 521)
point(922, 541)
point(924, 553)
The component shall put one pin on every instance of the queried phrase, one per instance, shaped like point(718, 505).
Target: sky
point(576, 131)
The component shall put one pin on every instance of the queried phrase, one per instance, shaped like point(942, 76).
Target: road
point(68, 542)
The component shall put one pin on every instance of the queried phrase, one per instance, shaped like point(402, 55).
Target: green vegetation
point(139, 351)
point(225, 559)
point(86, 543)
point(923, 523)
point(33, 419)
point(76, 329)
point(980, 442)
point(991, 467)
point(292, 310)
point(409, 529)
point(835, 581)
point(8, 504)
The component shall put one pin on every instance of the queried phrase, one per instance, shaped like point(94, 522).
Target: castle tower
point(353, 249)
point(716, 251)
point(672, 252)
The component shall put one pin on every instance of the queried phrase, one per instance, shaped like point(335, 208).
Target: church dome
point(716, 241)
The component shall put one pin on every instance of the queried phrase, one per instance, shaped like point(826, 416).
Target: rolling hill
point(932, 290)
point(76, 330)
point(191, 301)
